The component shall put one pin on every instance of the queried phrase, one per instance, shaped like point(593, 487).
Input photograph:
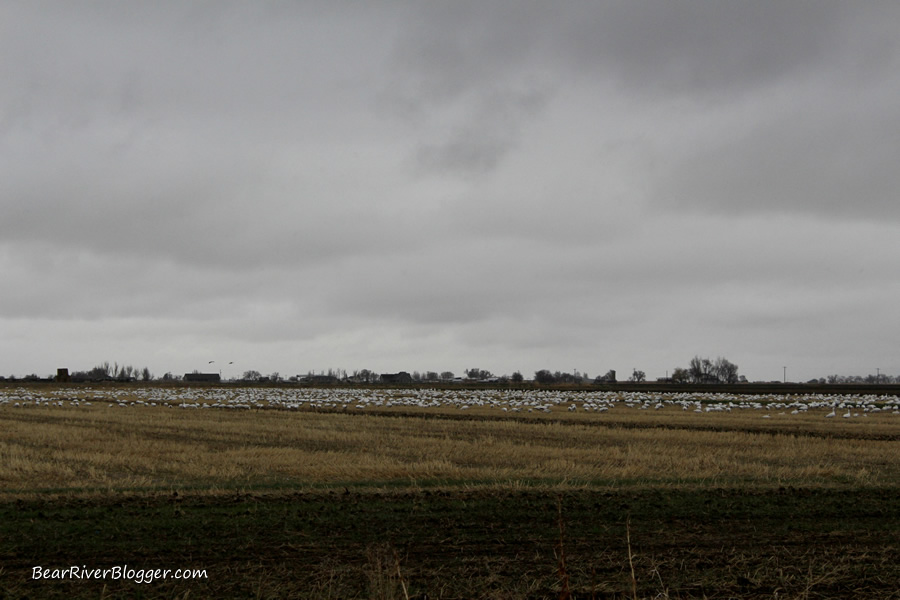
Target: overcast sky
point(295, 186)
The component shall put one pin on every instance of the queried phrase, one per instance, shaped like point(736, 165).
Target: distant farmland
point(285, 492)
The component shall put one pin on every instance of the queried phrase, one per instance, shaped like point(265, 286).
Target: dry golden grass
point(100, 448)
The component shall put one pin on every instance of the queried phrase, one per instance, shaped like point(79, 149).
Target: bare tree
point(251, 375)
point(680, 375)
point(703, 370)
point(726, 371)
point(544, 376)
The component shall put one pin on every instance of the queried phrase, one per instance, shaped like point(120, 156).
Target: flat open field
point(340, 493)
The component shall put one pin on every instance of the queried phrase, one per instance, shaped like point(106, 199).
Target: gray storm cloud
point(408, 185)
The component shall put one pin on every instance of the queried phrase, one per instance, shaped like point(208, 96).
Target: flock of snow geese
point(509, 401)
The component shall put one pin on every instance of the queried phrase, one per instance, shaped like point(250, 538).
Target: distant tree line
point(857, 379)
point(700, 370)
point(547, 377)
point(112, 372)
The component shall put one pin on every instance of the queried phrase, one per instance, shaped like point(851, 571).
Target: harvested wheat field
point(344, 493)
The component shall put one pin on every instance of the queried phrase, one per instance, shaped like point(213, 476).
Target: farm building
point(401, 377)
point(202, 377)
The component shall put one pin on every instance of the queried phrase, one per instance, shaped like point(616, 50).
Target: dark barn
point(202, 377)
point(401, 377)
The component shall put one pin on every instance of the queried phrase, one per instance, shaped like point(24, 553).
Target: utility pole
point(785, 374)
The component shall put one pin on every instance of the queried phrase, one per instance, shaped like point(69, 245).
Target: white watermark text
point(123, 572)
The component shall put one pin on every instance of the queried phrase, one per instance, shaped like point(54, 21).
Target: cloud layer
point(447, 185)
